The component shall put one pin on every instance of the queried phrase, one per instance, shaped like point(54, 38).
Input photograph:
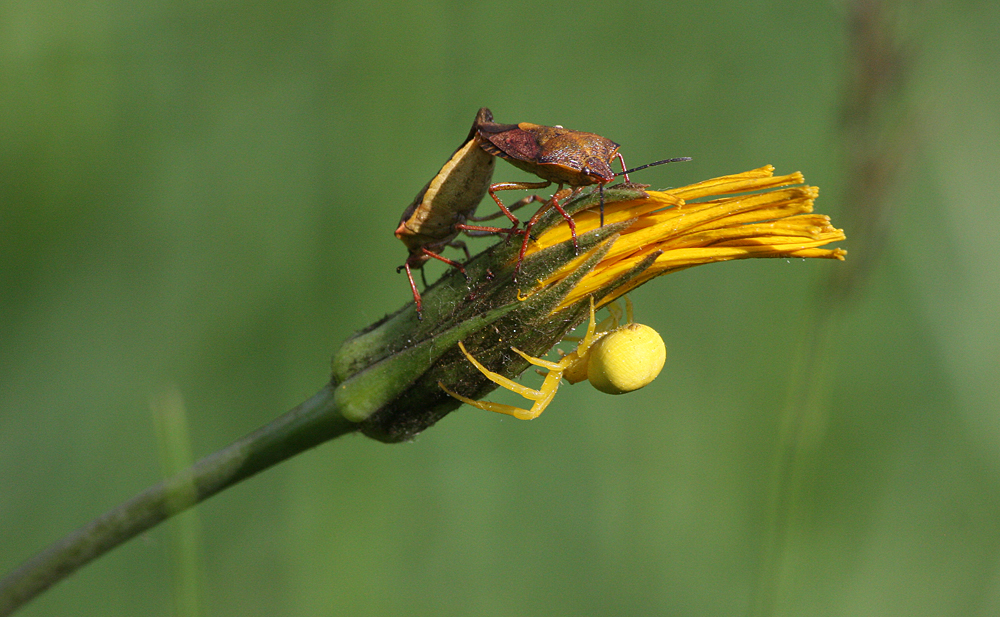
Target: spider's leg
point(543, 396)
point(552, 366)
point(609, 323)
point(499, 379)
point(588, 339)
point(614, 317)
point(547, 392)
point(510, 410)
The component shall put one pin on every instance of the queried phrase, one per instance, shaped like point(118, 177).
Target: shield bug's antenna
point(626, 172)
point(681, 159)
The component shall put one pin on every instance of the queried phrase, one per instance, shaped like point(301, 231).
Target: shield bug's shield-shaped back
point(555, 154)
point(552, 153)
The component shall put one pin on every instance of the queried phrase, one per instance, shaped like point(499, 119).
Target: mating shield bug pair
point(554, 154)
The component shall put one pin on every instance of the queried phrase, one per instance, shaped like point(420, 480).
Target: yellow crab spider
point(615, 359)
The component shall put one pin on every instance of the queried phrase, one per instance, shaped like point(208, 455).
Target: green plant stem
point(307, 425)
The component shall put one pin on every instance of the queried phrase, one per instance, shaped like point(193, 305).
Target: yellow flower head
point(387, 377)
point(729, 221)
point(658, 233)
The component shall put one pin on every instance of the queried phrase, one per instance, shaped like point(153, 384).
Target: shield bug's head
point(598, 169)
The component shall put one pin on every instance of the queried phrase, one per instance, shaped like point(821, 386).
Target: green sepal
point(367, 391)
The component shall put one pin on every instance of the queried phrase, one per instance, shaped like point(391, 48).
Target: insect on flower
point(615, 359)
point(388, 377)
point(440, 209)
point(555, 154)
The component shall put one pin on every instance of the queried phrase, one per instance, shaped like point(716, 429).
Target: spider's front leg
point(500, 380)
point(541, 397)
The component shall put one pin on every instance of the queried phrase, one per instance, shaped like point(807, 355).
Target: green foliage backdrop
point(198, 198)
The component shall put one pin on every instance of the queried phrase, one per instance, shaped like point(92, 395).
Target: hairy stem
point(307, 425)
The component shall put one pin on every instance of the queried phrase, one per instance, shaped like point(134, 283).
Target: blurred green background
point(197, 202)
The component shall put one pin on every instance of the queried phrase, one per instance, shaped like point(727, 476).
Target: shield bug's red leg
point(452, 263)
point(621, 160)
point(419, 260)
point(513, 186)
point(554, 203)
point(524, 201)
point(477, 231)
point(413, 287)
point(600, 186)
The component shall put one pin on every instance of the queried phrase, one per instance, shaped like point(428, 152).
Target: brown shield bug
point(440, 209)
point(557, 155)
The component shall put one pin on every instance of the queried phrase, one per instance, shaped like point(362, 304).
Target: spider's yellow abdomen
point(626, 359)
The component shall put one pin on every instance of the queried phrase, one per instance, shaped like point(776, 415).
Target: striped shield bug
point(557, 155)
